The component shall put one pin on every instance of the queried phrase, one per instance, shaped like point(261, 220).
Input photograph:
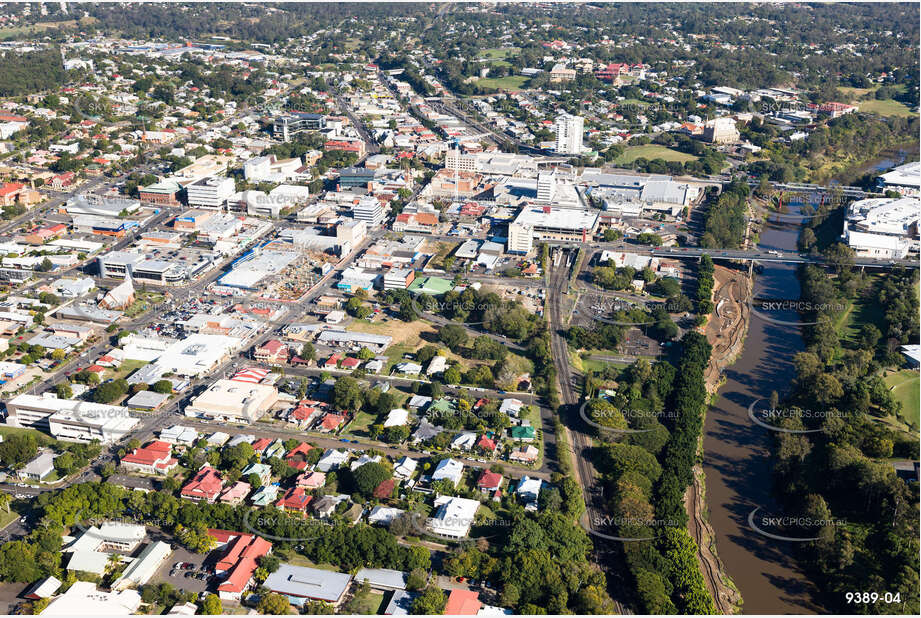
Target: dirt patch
point(728, 325)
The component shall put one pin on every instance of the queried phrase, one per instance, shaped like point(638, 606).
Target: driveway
point(9, 596)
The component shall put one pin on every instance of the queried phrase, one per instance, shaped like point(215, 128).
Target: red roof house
point(240, 561)
point(350, 362)
point(205, 485)
point(463, 603)
point(486, 444)
point(154, 458)
point(295, 499)
point(260, 445)
point(330, 422)
point(297, 457)
point(489, 481)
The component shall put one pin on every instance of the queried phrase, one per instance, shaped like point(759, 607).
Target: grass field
point(651, 151)
point(886, 107)
point(368, 604)
point(865, 310)
point(143, 303)
point(904, 385)
point(444, 249)
point(509, 82)
point(634, 103)
point(300, 560)
point(127, 368)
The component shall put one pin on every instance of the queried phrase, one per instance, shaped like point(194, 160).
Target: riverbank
point(884, 161)
point(737, 461)
point(725, 332)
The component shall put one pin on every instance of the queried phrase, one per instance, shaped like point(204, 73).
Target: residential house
point(235, 494)
point(154, 458)
point(263, 471)
point(311, 480)
point(330, 423)
point(204, 486)
point(524, 454)
point(449, 470)
point(521, 433)
point(489, 482)
point(332, 459)
point(295, 499)
point(405, 468)
point(463, 603)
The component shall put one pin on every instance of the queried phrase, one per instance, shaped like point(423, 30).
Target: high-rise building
point(546, 187)
point(569, 134)
point(520, 238)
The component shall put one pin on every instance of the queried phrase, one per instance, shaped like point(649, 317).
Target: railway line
point(558, 284)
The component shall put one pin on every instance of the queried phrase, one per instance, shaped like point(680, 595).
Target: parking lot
point(177, 577)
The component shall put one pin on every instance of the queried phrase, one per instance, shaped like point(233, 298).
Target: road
point(717, 254)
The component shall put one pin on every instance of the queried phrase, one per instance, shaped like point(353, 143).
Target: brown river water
point(737, 458)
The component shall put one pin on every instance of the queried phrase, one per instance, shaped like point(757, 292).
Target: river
point(886, 160)
point(737, 458)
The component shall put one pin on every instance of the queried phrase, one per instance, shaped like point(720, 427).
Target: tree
point(369, 476)
point(431, 601)
point(308, 352)
point(164, 387)
point(63, 390)
point(212, 606)
point(109, 391)
point(273, 604)
point(415, 581)
point(347, 394)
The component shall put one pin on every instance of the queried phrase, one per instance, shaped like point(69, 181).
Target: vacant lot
point(904, 385)
point(651, 151)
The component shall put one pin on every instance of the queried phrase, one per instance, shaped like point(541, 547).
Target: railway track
point(558, 284)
